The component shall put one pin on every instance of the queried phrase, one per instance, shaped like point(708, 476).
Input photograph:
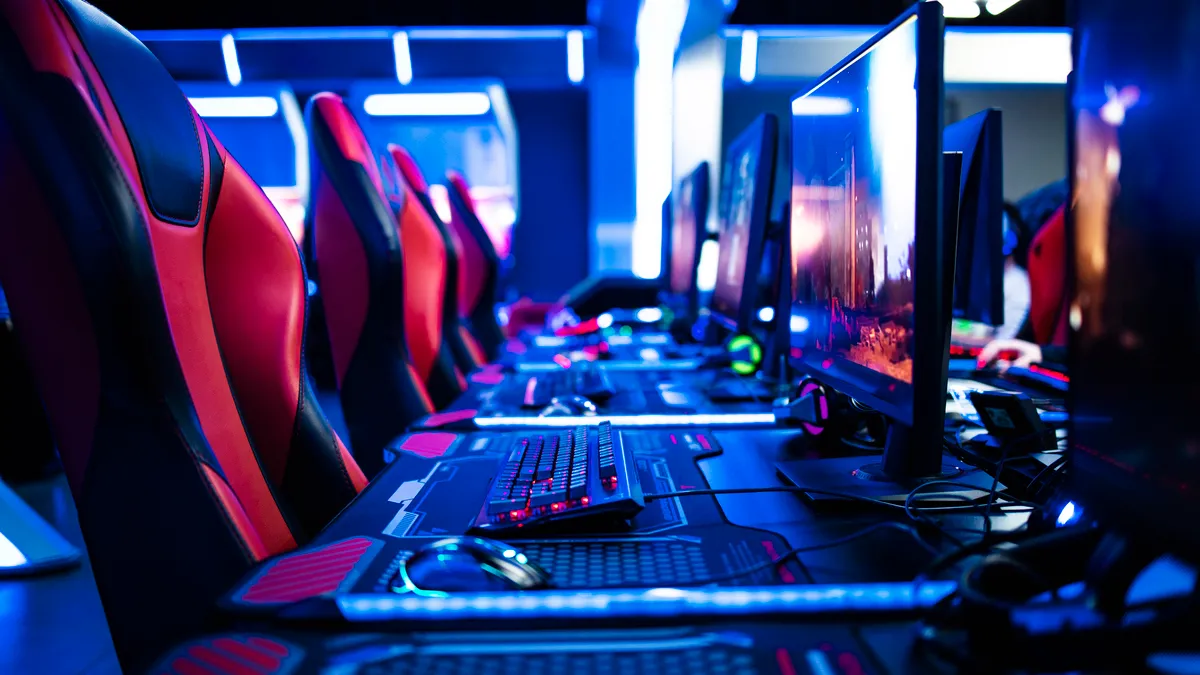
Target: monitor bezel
point(925, 414)
point(764, 131)
point(983, 178)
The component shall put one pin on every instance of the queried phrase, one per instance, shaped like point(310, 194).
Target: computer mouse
point(468, 565)
point(569, 406)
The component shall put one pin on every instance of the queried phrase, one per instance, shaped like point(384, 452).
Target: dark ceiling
point(143, 15)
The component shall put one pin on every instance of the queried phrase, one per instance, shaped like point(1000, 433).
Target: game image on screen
point(737, 206)
point(1135, 310)
point(854, 157)
point(683, 239)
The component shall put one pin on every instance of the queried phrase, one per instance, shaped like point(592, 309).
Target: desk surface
point(439, 481)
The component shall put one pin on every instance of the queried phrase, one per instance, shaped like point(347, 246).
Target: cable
point(1049, 469)
point(800, 490)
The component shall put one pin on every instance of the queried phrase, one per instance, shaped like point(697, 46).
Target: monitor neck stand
point(891, 477)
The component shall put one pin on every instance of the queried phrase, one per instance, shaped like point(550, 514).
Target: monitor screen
point(979, 264)
point(858, 203)
point(1134, 313)
point(684, 236)
point(746, 179)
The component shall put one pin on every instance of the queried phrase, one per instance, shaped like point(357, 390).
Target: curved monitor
point(866, 206)
point(746, 179)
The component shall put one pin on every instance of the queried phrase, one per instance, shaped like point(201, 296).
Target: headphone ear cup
point(810, 387)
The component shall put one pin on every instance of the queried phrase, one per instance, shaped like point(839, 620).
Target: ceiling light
point(995, 7)
point(960, 9)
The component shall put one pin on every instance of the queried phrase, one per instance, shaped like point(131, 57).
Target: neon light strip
point(488, 33)
point(229, 51)
point(575, 56)
point(450, 104)
point(647, 603)
point(403, 57)
point(701, 420)
point(235, 106)
point(749, 65)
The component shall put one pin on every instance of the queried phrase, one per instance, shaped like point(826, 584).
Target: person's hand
point(1005, 353)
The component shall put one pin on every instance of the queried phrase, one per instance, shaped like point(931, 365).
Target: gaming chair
point(463, 346)
point(382, 283)
point(161, 304)
point(479, 273)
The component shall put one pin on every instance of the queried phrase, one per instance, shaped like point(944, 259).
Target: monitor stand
point(865, 476)
point(28, 544)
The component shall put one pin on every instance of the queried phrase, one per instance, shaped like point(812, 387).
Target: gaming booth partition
point(699, 485)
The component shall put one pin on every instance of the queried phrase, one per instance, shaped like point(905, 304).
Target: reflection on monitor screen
point(854, 209)
point(683, 239)
point(737, 196)
point(1135, 309)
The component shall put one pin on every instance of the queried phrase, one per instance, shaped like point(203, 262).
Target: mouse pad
point(437, 483)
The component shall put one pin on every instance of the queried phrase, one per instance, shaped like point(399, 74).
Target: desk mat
point(438, 480)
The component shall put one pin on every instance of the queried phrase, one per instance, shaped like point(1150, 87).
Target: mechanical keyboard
point(582, 379)
point(581, 473)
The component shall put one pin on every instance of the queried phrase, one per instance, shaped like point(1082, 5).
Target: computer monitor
point(870, 316)
point(746, 181)
point(979, 263)
point(688, 219)
point(1134, 312)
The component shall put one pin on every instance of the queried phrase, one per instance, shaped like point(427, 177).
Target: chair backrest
point(468, 355)
point(160, 300)
point(385, 349)
point(479, 277)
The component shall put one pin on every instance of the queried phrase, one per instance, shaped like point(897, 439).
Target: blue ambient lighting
point(702, 420)
point(229, 51)
point(616, 603)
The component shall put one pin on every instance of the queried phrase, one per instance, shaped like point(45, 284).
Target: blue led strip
point(651, 602)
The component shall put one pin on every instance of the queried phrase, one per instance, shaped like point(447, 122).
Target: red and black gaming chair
point(479, 269)
point(380, 283)
point(161, 303)
point(463, 346)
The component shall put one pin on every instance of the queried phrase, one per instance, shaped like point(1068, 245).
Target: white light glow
point(575, 56)
point(603, 321)
point(749, 65)
point(822, 105)
point(798, 324)
point(1067, 514)
point(229, 51)
point(960, 9)
point(10, 555)
point(706, 272)
point(450, 104)
point(235, 106)
point(658, 27)
point(766, 314)
point(649, 314)
point(995, 7)
point(974, 57)
point(403, 57)
point(441, 201)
